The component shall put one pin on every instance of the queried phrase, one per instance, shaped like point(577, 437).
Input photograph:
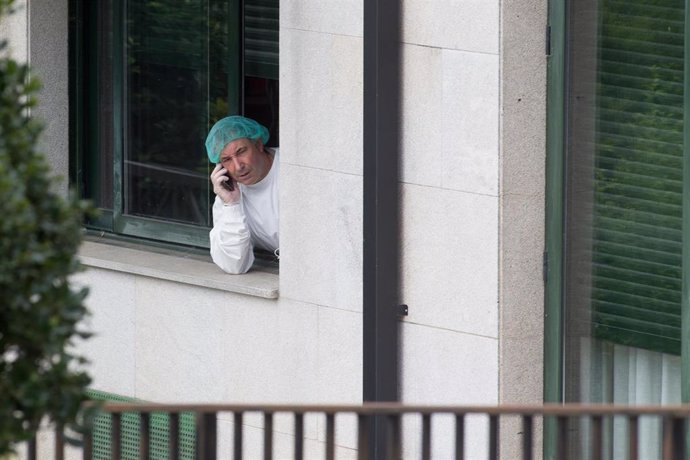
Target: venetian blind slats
point(637, 214)
point(261, 38)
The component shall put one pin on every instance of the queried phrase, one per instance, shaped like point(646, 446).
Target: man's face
point(245, 160)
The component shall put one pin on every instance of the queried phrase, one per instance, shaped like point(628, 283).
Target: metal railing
point(563, 420)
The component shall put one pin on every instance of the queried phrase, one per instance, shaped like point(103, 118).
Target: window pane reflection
point(624, 209)
point(168, 106)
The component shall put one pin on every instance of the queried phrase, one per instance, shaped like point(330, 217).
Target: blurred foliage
point(40, 233)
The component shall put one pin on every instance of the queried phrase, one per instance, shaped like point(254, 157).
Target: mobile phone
point(229, 184)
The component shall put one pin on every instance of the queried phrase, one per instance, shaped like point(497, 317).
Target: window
point(148, 80)
point(622, 247)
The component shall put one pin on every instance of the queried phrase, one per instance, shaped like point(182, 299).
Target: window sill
point(182, 267)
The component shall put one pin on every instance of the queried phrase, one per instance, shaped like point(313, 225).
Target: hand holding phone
point(224, 185)
point(228, 184)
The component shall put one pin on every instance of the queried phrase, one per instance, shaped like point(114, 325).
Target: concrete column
point(522, 208)
point(49, 58)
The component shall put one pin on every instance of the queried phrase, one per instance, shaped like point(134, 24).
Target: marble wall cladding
point(422, 143)
point(283, 422)
point(213, 346)
point(192, 344)
point(253, 442)
point(270, 353)
point(449, 259)
point(317, 449)
point(179, 338)
point(340, 370)
point(446, 367)
point(470, 25)
point(112, 349)
point(321, 239)
point(470, 122)
point(450, 170)
point(321, 100)
point(450, 119)
point(443, 437)
point(339, 358)
point(191, 330)
point(318, 16)
point(163, 341)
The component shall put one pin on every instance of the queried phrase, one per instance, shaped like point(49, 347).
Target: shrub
point(40, 232)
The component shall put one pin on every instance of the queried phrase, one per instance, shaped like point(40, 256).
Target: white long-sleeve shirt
point(253, 221)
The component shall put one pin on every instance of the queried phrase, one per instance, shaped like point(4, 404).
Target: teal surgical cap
point(229, 129)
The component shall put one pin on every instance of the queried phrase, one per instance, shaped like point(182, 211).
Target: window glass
point(623, 209)
point(168, 106)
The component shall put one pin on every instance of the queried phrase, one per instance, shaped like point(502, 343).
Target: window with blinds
point(637, 183)
point(261, 38)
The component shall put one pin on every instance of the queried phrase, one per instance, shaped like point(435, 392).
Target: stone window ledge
point(182, 267)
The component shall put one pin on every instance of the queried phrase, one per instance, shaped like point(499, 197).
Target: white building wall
point(165, 341)
point(321, 181)
point(450, 175)
point(321, 137)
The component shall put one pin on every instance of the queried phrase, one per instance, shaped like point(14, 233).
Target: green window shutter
point(261, 38)
point(637, 216)
point(159, 435)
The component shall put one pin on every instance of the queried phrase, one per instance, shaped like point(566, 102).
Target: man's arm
point(231, 246)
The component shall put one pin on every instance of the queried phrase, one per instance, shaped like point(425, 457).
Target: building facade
point(171, 327)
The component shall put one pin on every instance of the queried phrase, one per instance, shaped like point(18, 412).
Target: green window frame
point(136, 135)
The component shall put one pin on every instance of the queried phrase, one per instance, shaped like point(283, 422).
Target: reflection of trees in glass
point(183, 71)
point(178, 82)
point(638, 174)
point(169, 73)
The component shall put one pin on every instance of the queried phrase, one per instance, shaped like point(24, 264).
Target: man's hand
point(219, 177)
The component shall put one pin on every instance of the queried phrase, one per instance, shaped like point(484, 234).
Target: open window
point(148, 80)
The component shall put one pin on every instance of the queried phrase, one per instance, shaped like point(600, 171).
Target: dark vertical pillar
point(381, 208)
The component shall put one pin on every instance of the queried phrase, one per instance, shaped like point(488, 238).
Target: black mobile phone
point(229, 184)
